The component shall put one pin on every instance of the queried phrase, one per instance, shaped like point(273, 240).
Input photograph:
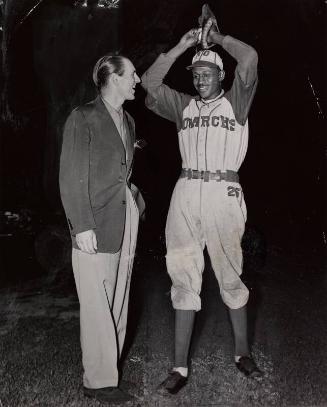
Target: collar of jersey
point(208, 101)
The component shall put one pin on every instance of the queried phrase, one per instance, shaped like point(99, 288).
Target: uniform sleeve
point(74, 174)
point(161, 99)
point(245, 81)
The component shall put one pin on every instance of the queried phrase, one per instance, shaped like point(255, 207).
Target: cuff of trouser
point(236, 299)
point(185, 300)
point(100, 384)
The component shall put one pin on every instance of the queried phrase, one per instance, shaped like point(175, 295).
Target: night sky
point(49, 53)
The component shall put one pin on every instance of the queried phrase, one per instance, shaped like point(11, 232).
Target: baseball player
point(207, 206)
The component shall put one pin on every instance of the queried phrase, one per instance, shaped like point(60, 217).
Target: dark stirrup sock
point(239, 324)
point(184, 321)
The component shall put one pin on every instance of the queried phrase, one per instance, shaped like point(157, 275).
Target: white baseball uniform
point(213, 136)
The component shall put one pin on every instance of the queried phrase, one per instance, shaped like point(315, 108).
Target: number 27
point(233, 191)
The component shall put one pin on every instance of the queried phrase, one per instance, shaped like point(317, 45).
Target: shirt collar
point(111, 108)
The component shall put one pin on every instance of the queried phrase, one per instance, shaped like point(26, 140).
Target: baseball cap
point(208, 58)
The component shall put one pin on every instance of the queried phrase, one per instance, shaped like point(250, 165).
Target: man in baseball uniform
point(207, 206)
point(95, 169)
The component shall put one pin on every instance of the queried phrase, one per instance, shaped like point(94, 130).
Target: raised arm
point(161, 99)
point(245, 55)
point(245, 81)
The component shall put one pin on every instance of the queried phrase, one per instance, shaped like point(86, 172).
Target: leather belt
point(228, 175)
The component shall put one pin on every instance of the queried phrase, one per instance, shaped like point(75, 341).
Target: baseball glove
point(207, 22)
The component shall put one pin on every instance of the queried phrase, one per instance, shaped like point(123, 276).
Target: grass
point(40, 361)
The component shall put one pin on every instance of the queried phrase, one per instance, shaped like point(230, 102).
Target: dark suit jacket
point(94, 173)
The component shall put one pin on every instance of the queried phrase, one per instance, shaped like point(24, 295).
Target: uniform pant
point(102, 283)
point(211, 214)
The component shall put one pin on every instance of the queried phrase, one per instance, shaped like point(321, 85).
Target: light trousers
point(103, 283)
point(210, 214)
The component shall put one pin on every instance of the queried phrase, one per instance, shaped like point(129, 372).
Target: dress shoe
point(172, 384)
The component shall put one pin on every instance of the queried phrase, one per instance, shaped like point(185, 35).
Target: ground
point(41, 357)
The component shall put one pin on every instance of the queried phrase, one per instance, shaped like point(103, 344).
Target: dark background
point(48, 52)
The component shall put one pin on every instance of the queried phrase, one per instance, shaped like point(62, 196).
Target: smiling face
point(207, 81)
point(127, 81)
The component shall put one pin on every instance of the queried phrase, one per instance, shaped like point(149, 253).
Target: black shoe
point(248, 367)
point(172, 384)
point(108, 394)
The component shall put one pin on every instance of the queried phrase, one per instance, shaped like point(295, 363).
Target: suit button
point(124, 202)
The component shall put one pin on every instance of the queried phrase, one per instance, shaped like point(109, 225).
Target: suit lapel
point(129, 135)
point(129, 142)
point(108, 122)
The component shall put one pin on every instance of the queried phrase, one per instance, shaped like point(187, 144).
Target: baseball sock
point(184, 321)
point(239, 324)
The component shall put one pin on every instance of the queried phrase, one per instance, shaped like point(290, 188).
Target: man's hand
point(87, 241)
point(190, 38)
point(212, 31)
point(209, 33)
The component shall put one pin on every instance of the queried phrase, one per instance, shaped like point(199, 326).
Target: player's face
point(206, 81)
point(127, 82)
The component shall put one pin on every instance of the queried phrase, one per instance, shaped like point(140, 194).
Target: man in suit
point(95, 169)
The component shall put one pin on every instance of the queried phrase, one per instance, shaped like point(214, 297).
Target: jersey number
point(233, 191)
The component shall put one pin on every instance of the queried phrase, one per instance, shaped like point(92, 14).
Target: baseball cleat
point(172, 384)
point(248, 367)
